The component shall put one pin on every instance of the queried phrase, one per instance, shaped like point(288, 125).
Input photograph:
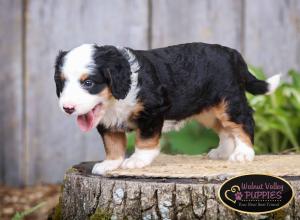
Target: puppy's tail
point(257, 87)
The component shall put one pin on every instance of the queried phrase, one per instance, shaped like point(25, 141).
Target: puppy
point(118, 89)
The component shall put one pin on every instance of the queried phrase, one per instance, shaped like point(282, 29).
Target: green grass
point(22, 215)
point(192, 139)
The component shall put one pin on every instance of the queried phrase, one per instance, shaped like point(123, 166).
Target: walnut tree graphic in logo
point(256, 193)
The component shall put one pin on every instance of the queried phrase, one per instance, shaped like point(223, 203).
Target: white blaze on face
point(77, 62)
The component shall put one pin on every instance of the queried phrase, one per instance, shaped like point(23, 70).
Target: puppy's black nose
point(69, 110)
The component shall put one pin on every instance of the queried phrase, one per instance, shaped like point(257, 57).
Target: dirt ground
point(14, 200)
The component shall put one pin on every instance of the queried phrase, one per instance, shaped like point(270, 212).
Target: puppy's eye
point(87, 83)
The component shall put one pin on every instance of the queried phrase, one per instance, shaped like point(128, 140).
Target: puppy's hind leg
point(226, 144)
point(243, 151)
point(237, 120)
point(225, 148)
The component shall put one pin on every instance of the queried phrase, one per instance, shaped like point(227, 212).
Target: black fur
point(115, 68)
point(111, 69)
point(252, 85)
point(57, 75)
point(179, 81)
point(99, 84)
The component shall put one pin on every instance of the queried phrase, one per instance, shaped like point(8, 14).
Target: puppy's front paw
point(140, 158)
point(134, 162)
point(242, 154)
point(106, 165)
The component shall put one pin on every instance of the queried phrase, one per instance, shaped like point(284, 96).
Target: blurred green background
point(276, 117)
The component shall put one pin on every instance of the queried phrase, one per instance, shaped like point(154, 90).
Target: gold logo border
point(255, 213)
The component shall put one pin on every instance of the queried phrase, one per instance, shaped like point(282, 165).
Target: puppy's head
point(88, 78)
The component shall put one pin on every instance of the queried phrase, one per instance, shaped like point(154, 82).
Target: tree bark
point(148, 196)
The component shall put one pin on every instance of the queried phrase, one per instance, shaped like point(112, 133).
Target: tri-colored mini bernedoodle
point(118, 89)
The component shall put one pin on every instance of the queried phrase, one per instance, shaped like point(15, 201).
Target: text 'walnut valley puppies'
point(118, 89)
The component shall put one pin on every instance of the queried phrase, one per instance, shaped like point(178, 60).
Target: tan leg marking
point(226, 143)
point(235, 144)
point(146, 149)
point(146, 143)
point(206, 118)
point(243, 150)
point(229, 126)
point(114, 144)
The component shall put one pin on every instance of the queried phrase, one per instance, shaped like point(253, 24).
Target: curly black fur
point(177, 82)
point(115, 68)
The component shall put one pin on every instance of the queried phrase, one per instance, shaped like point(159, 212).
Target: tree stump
point(173, 187)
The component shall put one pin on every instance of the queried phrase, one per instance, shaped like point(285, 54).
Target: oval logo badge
point(256, 193)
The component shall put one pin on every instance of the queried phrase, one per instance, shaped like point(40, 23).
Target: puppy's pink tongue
point(85, 122)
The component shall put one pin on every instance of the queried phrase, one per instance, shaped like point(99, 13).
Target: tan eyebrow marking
point(105, 93)
point(114, 144)
point(62, 76)
point(147, 143)
point(84, 77)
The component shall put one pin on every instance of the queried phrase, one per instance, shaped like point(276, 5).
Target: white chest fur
point(117, 113)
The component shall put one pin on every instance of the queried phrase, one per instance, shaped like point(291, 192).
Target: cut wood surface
point(173, 187)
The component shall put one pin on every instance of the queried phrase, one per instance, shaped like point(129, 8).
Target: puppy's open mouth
point(87, 121)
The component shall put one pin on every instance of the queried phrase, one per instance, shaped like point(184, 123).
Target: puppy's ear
point(59, 59)
point(57, 74)
point(116, 70)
